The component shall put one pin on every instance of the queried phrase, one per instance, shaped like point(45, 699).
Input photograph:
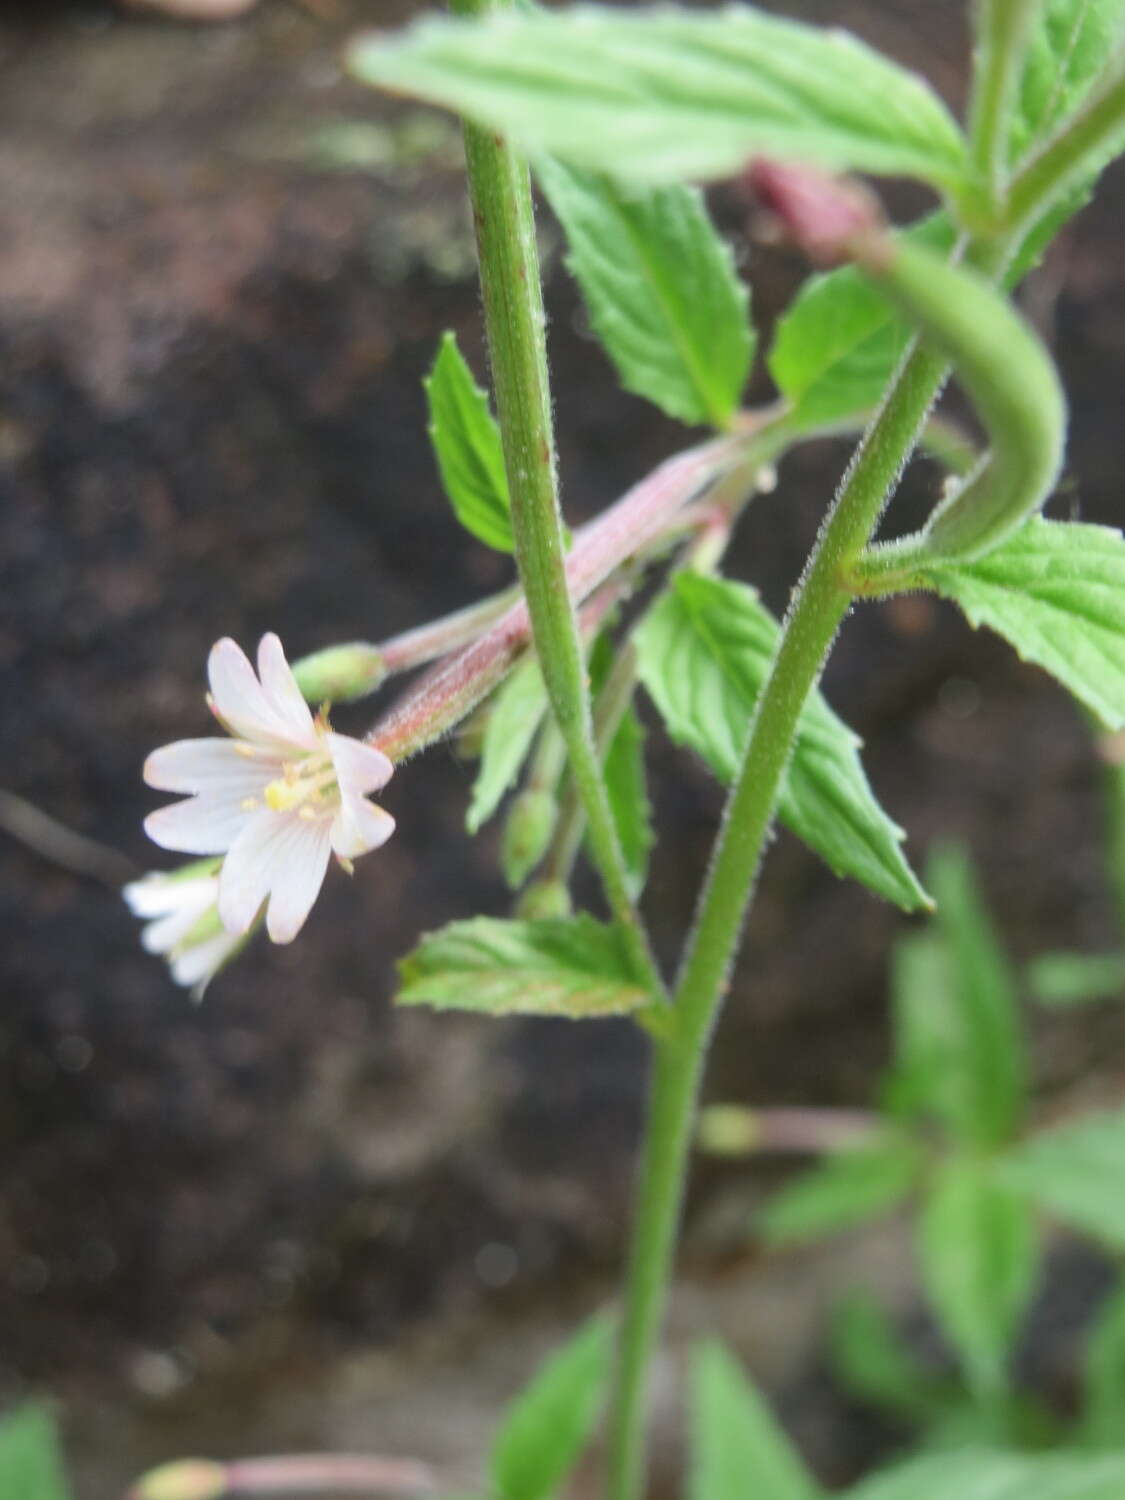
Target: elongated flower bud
point(527, 833)
point(187, 1479)
point(338, 674)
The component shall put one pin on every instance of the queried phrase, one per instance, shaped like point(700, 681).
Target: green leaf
point(702, 653)
point(1076, 1172)
point(985, 997)
point(1070, 44)
point(668, 95)
point(514, 717)
point(837, 345)
point(874, 1363)
point(1064, 979)
point(737, 1447)
point(979, 1254)
point(568, 967)
point(1103, 1408)
point(624, 771)
point(466, 443)
point(545, 1430)
point(661, 290)
point(978, 1474)
point(1056, 591)
point(844, 1189)
point(30, 1461)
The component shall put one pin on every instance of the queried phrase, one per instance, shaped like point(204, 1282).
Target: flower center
point(304, 783)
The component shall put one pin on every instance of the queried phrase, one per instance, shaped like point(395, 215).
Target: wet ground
point(291, 1216)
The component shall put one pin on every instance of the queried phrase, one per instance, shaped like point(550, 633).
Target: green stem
point(1082, 146)
point(1002, 28)
point(509, 268)
point(818, 606)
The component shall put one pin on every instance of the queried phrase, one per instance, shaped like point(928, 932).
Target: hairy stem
point(500, 191)
point(1002, 29)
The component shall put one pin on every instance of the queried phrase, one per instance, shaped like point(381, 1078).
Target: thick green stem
point(1084, 145)
point(1002, 28)
point(818, 606)
point(509, 268)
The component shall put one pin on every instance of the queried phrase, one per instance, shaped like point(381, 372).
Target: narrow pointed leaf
point(979, 1253)
point(738, 1448)
point(546, 1428)
point(30, 1462)
point(1056, 591)
point(466, 443)
point(1103, 1410)
point(703, 652)
point(845, 1189)
point(983, 998)
point(514, 717)
point(1076, 1172)
point(875, 1363)
point(572, 967)
point(624, 772)
point(980, 1474)
point(668, 95)
point(661, 290)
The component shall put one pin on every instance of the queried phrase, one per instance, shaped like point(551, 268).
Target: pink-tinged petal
point(297, 881)
point(248, 870)
point(239, 698)
point(211, 765)
point(198, 965)
point(358, 827)
point(359, 768)
point(282, 693)
point(201, 825)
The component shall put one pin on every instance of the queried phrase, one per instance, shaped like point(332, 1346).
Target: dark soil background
point(291, 1216)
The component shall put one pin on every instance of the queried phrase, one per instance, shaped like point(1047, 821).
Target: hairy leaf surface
point(572, 967)
point(703, 652)
point(667, 95)
point(661, 290)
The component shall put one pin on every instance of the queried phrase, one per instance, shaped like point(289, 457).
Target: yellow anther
point(283, 794)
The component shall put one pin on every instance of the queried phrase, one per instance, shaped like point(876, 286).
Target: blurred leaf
point(1103, 1409)
point(985, 993)
point(979, 1255)
point(564, 967)
point(873, 1362)
point(671, 95)
point(466, 443)
point(515, 713)
point(661, 290)
point(545, 1430)
point(737, 1447)
point(1064, 979)
point(978, 1474)
point(1056, 592)
point(1077, 1172)
point(844, 1189)
point(1071, 43)
point(703, 652)
point(838, 343)
point(628, 798)
point(30, 1461)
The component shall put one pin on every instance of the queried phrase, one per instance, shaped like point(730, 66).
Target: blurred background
point(290, 1217)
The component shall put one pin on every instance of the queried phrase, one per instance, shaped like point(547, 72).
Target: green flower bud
point(188, 1479)
point(340, 673)
point(546, 898)
point(527, 833)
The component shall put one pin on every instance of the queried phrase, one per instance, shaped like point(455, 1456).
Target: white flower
point(182, 922)
point(277, 799)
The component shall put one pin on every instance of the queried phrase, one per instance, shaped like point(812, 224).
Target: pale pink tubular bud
point(187, 1479)
point(830, 219)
